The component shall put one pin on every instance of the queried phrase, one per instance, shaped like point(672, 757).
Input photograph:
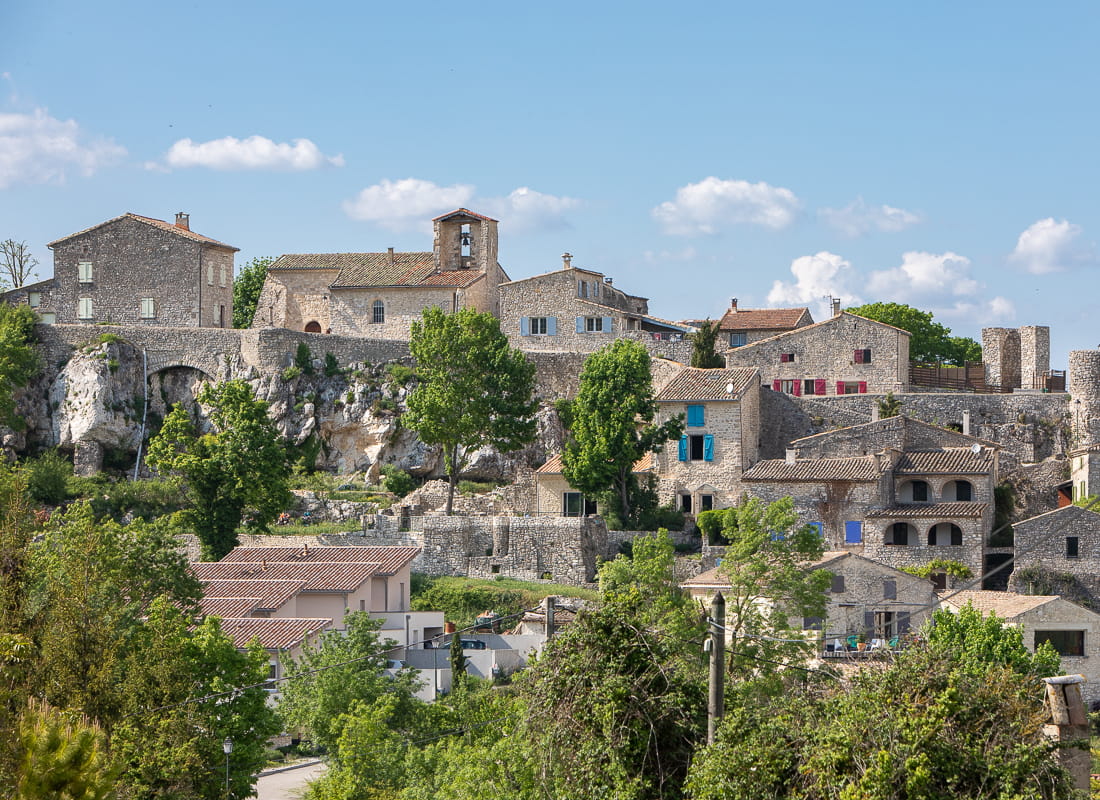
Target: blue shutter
point(683, 448)
point(551, 326)
point(853, 532)
point(607, 324)
point(580, 324)
point(695, 416)
point(708, 448)
point(819, 528)
point(524, 326)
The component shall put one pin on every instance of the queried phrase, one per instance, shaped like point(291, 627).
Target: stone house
point(378, 295)
point(865, 597)
point(135, 270)
point(721, 410)
point(39, 296)
point(577, 310)
point(896, 490)
point(554, 497)
point(1061, 549)
point(845, 354)
point(741, 326)
point(1073, 631)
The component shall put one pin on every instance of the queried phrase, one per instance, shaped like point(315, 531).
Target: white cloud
point(817, 278)
point(712, 204)
point(37, 148)
point(858, 219)
point(1049, 246)
point(975, 313)
point(923, 277)
point(406, 203)
point(255, 152)
point(525, 209)
point(688, 253)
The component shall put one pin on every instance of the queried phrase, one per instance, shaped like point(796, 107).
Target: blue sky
point(940, 154)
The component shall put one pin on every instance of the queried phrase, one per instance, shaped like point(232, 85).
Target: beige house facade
point(741, 326)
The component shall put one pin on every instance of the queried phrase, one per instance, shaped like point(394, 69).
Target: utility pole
point(716, 702)
point(548, 608)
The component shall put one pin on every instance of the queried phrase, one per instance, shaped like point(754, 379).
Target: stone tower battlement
point(1016, 358)
point(1084, 387)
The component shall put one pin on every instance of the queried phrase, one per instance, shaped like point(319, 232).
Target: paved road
point(287, 785)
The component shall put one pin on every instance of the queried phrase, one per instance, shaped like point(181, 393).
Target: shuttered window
point(695, 416)
point(84, 308)
point(853, 532)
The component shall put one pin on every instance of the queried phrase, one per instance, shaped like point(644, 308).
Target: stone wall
point(353, 309)
point(294, 298)
point(1001, 356)
point(1040, 547)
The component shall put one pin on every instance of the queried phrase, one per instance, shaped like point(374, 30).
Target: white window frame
point(148, 308)
point(84, 272)
point(378, 312)
point(538, 326)
point(85, 309)
point(593, 325)
point(34, 299)
point(739, 339)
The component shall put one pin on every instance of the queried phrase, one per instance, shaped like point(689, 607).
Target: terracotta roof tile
point(229, 606)
point(694, 383)
point(317, 577)
point(388, 559)
point(815, 326)
point(273, 594)
point(464, 212)
point(277, 633)
point(156, 223)
point(930, 510)
point(553, 465)
point(952, 461)
point(859, 469)
point(763, 319)
point(1006, 605)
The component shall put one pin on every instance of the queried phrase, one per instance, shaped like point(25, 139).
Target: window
point(685, 503)
point(787, 387)
point(862, 356)
point(809, 386)
point(148, 308)
point(84, 308)
point(818, 527)
point(696, 447)
point(786, 358)
point(851, 387)
point(1067, 643)
point(945, 533)
point(538, 326)
point(84, 271)
point(209, 274)
point(34, 299)
point(890, 590)
point(595, 288)
point(221, 276)
point(48, 317)
point(706, 502)
point(572, 504)
point(1071, 547)
point(812, 623)
point(582, 288)
point(593, 324)
point(738, 339)
point(695, 416)
point(898, 534)
point(837, 586)
point(918, 492)
point(853, 532)
point(964, 492)
point(379, 312)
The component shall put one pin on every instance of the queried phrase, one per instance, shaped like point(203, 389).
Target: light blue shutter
point(607, 324)
point(551, 326)
point(684, 447)
point(853, 532)
point(695, 416)
point(580, 324)
point(819, 528)
point(708, 448)
point(524, 326)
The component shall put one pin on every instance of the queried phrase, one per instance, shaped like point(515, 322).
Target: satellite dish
point(976, 448)
point(729, 388)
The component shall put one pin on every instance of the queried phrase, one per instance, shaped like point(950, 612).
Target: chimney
point(792, 455)
point(966, 423)
point(607, 280)
point(566, 260)
point(836, 306)
point(733, 304)
point(183, 220)
point(391, 257)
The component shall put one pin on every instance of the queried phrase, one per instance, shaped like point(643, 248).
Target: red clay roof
point(464, 211)
point(273, 634)
point(763, 319)
point(316, 577)
point(859, 469)
point(553, 466)
point(389, 559)
point(273, 594)
point(953, 461)
point(156, 223)
point(931, 510)
point(229, 606)
point(694, 383)
point(1007, 605)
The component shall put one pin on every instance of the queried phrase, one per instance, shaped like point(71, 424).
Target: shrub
point(291, 372)
point(109, 338)
point(48, 478)
point(332, 366)
point(399, 373)
point(396, 481)
point(303, 358)
point(475, 487)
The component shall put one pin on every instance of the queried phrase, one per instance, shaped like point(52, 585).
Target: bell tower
point(464, 240)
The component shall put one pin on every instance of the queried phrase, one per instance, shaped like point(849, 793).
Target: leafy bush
point(476, 487)
point(48, 478)
point(399, 373)
point(303, 358)
point(291, 372)
point(397, 481)
point(462, 599)
point(109, 338)
point(332, 366)
point(147, 499)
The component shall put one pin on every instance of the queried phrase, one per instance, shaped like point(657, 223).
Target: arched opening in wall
point(944, 534)
point(313, 326)
point(914, 492)
point(378, 312)
point(961, 491)
point(900, 534)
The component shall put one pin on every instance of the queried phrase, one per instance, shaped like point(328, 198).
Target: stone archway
point(313, 326)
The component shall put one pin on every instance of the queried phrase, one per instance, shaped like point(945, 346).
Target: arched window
point(914, 492)
point(313, 326)
point(961, 491)
point(944, 534)
point(379, 312)
point(899, 534)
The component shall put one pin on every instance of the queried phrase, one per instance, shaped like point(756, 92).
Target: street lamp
point(227, 747)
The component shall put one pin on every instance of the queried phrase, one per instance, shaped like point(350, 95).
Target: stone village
point(794, 412)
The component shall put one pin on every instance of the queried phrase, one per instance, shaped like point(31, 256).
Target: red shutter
point(858, 356)
point(840, 387)
point(782, 358)
point(819, 386)
point(775, 385)
point(798, 388)
point(863, 387)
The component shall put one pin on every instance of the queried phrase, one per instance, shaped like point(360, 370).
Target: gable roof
point(900, 421)
point(763, 319)
point(229, 606)
point(315, 577)
point(1007, 605)
point(278, 633)
point(929, 510)
point(859, 469)
point(949, 461)
point(272, 594)
point(388, 559)
point(463, 212)
point(553, 465)
point(168, 227)
point(369, 270)
point(1059, 516)
point(696, 383)
point(805, 329)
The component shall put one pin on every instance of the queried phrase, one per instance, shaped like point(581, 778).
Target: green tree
point(63, 757)
point(772, 584)
point(475, 391)
point(241, 467)
point(931, 341)
point(888, 406)
point(611, 423)
point(977, 640)
point(246, 290)
point(703, 344)
point(18, 358)
point(458, 660)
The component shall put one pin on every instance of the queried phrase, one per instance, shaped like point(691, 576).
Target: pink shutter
point(775, 385)
point(858, 356)
point(798, 388)
point(840, 387)
point(782, 358)
point(819, 386)
point(863, 387)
